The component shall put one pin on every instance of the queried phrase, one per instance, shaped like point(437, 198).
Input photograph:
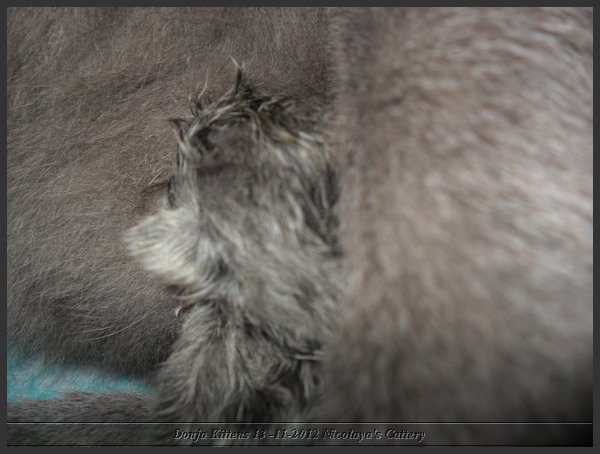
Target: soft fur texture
point(98, 85)
point(451, 282)
point(466, 218)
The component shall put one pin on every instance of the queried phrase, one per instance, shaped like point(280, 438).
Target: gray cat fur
point(465, 219)
point(461, 144)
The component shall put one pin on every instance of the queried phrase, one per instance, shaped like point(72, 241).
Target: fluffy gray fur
point(245, 241)
point(98, 83)
point(460, 141)
point(248, 237)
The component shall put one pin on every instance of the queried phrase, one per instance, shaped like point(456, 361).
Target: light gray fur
point(465, 219)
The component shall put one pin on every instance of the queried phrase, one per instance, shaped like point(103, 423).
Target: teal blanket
point(31, 378)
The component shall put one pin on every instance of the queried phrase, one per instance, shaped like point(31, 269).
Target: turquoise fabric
point(31, 378)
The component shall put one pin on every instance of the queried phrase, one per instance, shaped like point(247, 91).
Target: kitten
point(460, 143)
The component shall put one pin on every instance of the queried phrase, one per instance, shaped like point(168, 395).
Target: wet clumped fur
point(246, 238)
